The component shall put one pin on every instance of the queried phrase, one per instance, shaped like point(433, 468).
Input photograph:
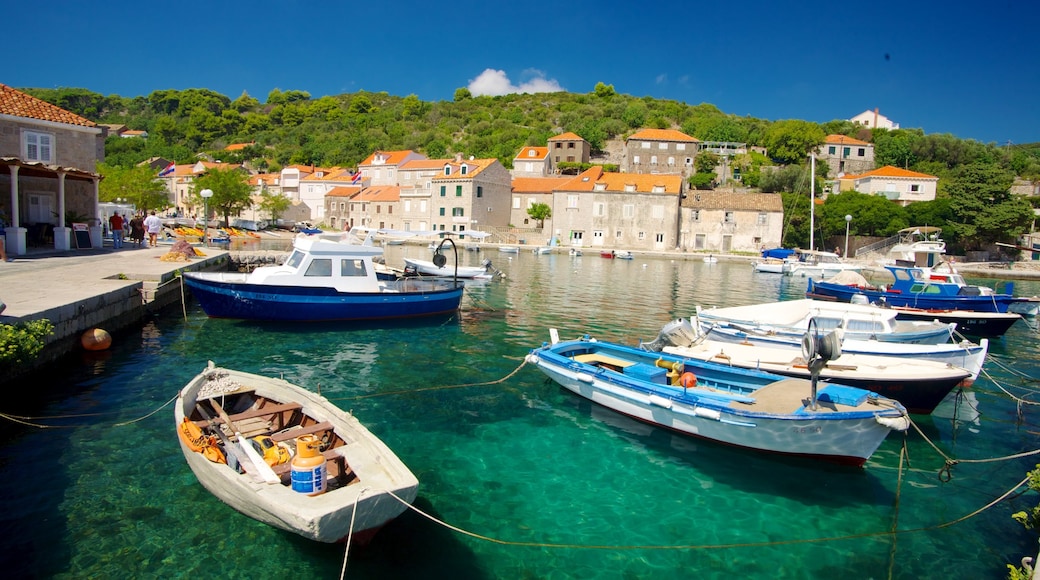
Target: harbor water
point(518, 478)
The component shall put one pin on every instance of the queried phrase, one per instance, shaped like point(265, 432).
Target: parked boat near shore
point(919, 385)
point(324, 278)
point(287, 457)
point(746, 408)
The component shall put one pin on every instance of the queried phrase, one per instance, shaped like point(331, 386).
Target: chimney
point(875, 117)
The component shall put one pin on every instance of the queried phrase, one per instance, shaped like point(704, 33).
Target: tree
point(984, 208)
point(790, 141)
point(230, 189)
point(274, 204)
point(139, 186)
point(463, 94)
point(540, 211)
point(706, 162)
point(601, 90)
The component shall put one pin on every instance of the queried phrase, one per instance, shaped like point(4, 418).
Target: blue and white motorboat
point(809, 263)
point(326, 277)
point(916, 287)
point(744, 408)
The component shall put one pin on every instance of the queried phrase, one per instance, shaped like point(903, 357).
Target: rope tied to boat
point(350, 532)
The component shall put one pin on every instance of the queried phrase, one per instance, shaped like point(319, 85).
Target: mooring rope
point(30, 421)
point(350, 533)
point(892, 532)
point(945, 473)
point(437, 388)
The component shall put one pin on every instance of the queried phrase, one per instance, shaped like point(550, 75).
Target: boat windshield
point(295, 259)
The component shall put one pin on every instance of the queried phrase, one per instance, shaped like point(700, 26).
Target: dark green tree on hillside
point(791, 140)
point(983, 207)
point(896, 148)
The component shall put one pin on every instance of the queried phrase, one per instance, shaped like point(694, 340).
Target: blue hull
point(302, 304)
point(827, 290)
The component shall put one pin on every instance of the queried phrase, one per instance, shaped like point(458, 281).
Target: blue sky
point(971, 69)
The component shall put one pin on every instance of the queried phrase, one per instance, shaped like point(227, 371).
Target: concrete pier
point(78, 290)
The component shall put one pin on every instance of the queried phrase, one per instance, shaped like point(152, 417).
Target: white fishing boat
point(745, 408)
point(919, 385)
point(815, 263)
point(288, 457)
point(447, 270)
point(858, 321)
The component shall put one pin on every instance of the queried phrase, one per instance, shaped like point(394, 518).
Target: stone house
point(532, 162)
point(660, 151)
point(375, 207)
point(624, 210)
point(528, 191)
point(568, 148)
point(49, 158)
point(899, 185)
point(470, 194)
point(845, 155)
point(731, 222)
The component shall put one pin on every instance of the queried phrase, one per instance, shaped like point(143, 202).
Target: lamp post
point(206, 194)
point(848, 220)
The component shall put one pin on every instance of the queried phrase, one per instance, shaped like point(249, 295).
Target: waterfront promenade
point(98, 288)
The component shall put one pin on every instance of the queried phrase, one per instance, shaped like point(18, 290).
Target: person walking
point(153, 225)
point(137, 230)
point(3, 237)
point(116, 225)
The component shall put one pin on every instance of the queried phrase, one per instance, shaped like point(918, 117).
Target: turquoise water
point(564, 488)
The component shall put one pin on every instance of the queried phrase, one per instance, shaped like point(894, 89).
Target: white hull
point(326, 517)
point(427, 268)
point(808, 436)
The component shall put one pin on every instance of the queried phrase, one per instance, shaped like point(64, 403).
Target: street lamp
point(848, 220)
point(206, 194)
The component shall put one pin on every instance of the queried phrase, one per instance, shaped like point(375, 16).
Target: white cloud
point(495, 83)
point(662, 79)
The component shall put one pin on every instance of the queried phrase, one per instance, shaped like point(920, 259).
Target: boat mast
point(812, 200)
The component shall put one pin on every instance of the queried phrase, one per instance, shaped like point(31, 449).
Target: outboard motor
point(678, 332)
point(819, 350)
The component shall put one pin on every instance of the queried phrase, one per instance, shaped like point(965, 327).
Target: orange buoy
point(96, 339)
point(688, 380)
point(309, 473)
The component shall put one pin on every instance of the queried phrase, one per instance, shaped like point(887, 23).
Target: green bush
point(21, 343)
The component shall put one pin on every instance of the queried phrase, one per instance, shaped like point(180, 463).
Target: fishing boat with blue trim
point(745, 408)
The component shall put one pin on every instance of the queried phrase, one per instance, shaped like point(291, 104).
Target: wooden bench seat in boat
point(256, 421)
point(599, 359)
point(308, 430)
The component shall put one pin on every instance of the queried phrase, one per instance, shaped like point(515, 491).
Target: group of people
point(138, 226)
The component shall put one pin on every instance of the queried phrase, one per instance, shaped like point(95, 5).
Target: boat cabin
point(324, 262)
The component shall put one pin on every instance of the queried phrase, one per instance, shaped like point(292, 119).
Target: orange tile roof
point(343, 191)
point(419, 164)
point(617, 182)
point(392, 157)
point(539, 184)
point(381, 193)
point(238, 146)
point(475, 166)
point(533, 153)
point(663, 135)
point(890, 171)
point(268, 178)
point(568, 136)
point(844, 140)
point(18, 104)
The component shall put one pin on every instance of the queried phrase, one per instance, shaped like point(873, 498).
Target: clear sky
point(971, 69)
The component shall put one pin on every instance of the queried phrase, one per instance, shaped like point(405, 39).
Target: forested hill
point(292, 127)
